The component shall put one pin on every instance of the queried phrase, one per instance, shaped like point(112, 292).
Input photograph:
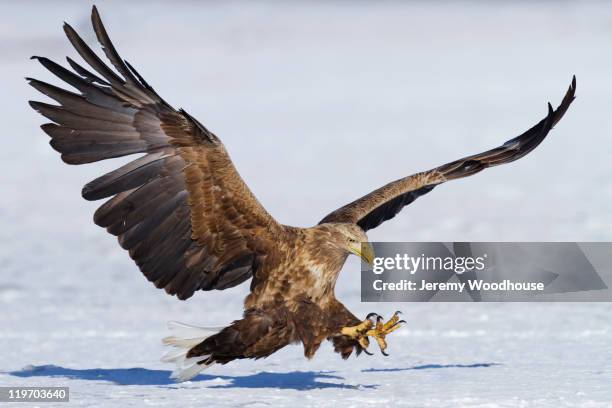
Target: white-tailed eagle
point(190, 222)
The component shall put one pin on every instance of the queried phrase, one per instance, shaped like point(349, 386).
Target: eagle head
point(350, 238)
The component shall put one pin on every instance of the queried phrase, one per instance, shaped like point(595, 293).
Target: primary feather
point(169, 208)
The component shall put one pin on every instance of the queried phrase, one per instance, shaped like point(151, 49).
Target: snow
point(338, 98)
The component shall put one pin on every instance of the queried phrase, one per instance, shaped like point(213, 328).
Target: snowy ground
point(337, 99)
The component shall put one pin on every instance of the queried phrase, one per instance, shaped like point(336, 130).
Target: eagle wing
point(386, 202)
point(181, 210)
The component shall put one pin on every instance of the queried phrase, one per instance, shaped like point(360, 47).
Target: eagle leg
point(359, 331)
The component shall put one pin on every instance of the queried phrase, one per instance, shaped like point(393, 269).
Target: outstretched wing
point(181, 210)
point(383, 204)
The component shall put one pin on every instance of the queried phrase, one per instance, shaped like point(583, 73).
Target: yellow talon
point(357, 331)
point(379, 331)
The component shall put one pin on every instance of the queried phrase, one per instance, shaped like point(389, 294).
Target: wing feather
point(386, 202)
point(181, 210)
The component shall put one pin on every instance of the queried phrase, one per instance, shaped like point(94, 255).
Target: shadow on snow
point(294, 380)
point(430, 367)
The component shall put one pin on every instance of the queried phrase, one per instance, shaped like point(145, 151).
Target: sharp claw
point(378, 331)
point(395, 325)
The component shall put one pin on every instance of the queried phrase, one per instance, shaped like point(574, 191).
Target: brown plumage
point(190, 223)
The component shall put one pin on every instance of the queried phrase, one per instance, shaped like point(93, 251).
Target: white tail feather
point(184, 337)
point(186, 373)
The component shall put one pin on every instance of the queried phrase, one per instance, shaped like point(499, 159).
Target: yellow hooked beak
point(365, 251)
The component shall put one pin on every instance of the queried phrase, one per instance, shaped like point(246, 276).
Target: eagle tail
point(182, 339)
